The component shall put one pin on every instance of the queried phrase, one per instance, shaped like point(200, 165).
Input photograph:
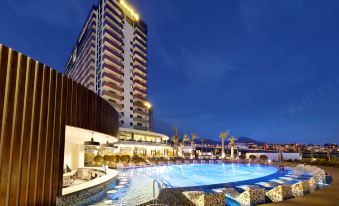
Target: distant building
point(110, 58)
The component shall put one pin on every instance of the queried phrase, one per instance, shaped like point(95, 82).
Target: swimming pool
point(139, 188)
point(206, 174)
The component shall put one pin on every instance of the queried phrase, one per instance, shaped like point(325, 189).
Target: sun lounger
point(203, 162)
point(178, 162)
point(187, 162)
point(142, 164)
point(219, 161)
point(251, 195)
point(200, 198)
point(195, 161)
point(210, 161)
point(170, 163)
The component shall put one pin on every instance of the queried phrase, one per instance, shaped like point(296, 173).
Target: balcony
point(140, 112)
point(138, 40)
point(142, 56)
point(114, 36)
point(140, 77)
point(142, 50)
point(111, 26)
point(139, 96)
point(136, 119)
point(139, 34)
point(115, 105)
point(113, 69)
point(136, 60)
point(115, 53)
point(113, 60)
point(112, 95)
point(110, 17)
point(115, 5)
point(108, 7)
point(140, 70)
point(110, 85)
point(138, 104)
point(112, 77)
point(137, 89)
point(140, 127)
point(140, 83)
point(117, 46)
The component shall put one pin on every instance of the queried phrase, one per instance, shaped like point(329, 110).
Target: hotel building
point(110, 58)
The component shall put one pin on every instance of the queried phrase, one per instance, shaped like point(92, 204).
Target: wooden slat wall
point(36, 103)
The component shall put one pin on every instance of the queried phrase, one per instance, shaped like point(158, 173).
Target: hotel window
point(131, 116)
point(139, 124)
point(122, 121)
point(131, 93)
point(131, 123)
point(131, 63)
point(131, 78)
point(131, 100)
point(131, 108)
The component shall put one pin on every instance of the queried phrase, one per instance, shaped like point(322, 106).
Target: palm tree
point(185, 139)
point(232, 144)
point(202, 145)
point(175, 139)
point(223, 136)
point(193, 137)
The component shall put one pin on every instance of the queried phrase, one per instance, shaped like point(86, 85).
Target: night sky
point(263, 69)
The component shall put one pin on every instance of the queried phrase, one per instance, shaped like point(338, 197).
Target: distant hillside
point(240, 140)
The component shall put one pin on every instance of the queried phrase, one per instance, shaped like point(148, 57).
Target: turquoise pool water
point(139, 182)
point(206, 174)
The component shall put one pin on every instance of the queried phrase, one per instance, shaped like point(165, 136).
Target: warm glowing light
point(148, 105)
point(130, 10)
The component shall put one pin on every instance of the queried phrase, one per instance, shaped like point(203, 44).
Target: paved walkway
point(328, 196)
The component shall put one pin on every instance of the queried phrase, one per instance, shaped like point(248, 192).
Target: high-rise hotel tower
point(110, 58)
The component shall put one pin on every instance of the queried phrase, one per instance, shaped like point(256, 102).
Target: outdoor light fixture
point(92, 142)
point(148, 105)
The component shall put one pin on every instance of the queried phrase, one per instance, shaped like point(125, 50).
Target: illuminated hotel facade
point(110, 58)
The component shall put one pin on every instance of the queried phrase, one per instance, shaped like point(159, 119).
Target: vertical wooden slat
point(49, 146)
point(26, 132)
point(34, 136)
point(15, 160)
point(6, 129)
point(3, 75)
point(42, 136)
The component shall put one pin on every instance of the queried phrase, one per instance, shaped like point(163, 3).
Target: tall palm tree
point(223, 136)
point(175, 139)
point(202, 145)
point(193, 137)
point(232, 144)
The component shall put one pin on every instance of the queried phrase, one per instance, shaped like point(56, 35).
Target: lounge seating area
point(303, 179)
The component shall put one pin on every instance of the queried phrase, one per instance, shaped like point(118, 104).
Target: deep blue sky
point(263, 69)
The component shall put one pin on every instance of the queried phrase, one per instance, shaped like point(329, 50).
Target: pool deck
point(328, 196)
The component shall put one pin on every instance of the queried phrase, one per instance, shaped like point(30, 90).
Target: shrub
point(98, 159)
point(252, 157)
point(106, 158)
point(125, 158)
point(263, 157)
point(242, 156)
